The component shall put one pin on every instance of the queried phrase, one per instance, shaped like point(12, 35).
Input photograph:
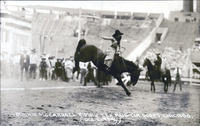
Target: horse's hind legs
point(153, 86)
point(123, 86)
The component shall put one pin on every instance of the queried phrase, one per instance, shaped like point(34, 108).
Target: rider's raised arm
point(107, 38)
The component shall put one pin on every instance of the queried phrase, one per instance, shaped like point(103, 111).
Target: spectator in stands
point(178, 79)
point(24, 64)
point(33, 64)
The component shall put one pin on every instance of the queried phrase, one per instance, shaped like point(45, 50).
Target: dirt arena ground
point(54, 103)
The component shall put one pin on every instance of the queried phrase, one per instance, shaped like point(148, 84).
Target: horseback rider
point(114, 47)
point(158, 62)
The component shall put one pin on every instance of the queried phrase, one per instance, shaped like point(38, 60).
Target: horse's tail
point(80, 44)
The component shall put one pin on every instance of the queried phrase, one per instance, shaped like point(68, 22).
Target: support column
point(198, 5)
point(188, 5)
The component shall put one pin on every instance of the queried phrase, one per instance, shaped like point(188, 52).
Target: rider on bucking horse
point(113, 48)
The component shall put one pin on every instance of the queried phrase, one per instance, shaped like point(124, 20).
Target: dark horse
point(85, 53)
point(156, 74)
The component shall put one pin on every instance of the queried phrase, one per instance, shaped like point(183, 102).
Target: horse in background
point(153, 74)
point(86, 53)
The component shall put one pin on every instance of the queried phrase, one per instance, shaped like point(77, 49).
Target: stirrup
point(107, 68)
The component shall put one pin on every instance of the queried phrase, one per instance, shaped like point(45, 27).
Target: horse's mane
point(80, 44)
point(148, 61)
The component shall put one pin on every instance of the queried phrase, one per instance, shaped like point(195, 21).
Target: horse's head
point(135, 76)
point(147, 62)
point(80, 44)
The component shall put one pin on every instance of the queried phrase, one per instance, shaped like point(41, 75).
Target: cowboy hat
point(117, 32)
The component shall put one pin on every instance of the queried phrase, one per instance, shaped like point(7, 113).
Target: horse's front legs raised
point(123, 86)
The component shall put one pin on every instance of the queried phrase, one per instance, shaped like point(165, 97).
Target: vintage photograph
point(100, 63)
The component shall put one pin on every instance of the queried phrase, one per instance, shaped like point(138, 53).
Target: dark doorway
point(158, 36)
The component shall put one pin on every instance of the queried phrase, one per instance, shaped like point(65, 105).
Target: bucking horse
point(85, 53)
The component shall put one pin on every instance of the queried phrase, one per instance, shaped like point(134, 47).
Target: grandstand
point(177, 47)
point(58, 33)
point(181, 35)
point(15, 32)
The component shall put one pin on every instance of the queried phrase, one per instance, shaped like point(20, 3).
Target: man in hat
point(58, 69)
point(69, 67)
point(116, 39)
point(43, 69)
point(114, 47)
point(177, 73)
point(158, 62)
point(24, 64)
point(33, 64)
point(51, 67)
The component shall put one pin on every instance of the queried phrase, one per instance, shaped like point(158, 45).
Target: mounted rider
point(158, 62)
point(114, 47)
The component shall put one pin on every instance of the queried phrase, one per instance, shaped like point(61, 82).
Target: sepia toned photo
point(100, 63)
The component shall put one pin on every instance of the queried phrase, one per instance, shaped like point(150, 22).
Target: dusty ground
point(23, 103)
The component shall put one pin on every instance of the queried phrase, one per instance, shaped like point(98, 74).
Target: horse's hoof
point(118, 84)
point(128, 93)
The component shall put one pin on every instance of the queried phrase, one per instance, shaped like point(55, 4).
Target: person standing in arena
point(178, 79)
point(69, 65)
point(43, 69)
point(33, 64)
point(24, 64)
point(90, 74)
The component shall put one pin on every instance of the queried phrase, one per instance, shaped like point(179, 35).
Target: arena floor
point(55, 103)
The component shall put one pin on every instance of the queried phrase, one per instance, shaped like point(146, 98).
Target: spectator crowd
point(31, 66)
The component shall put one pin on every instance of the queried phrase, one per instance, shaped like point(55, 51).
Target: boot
point(108, 68)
